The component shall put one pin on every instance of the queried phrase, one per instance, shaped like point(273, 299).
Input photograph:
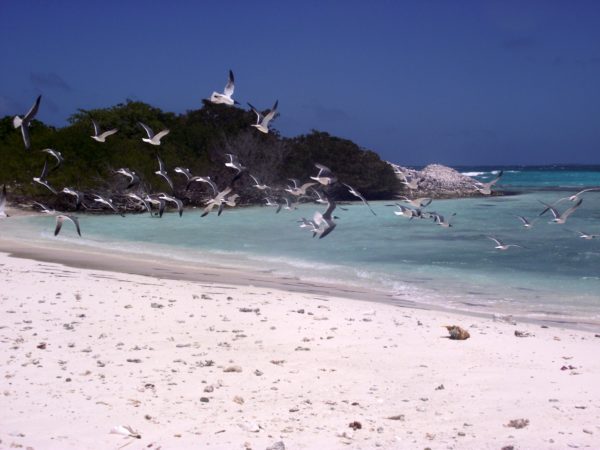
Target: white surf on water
point(474, 174)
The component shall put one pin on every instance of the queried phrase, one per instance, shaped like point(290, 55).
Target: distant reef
point(436, 181)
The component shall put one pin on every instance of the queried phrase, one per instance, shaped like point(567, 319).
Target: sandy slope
point(84, 350)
